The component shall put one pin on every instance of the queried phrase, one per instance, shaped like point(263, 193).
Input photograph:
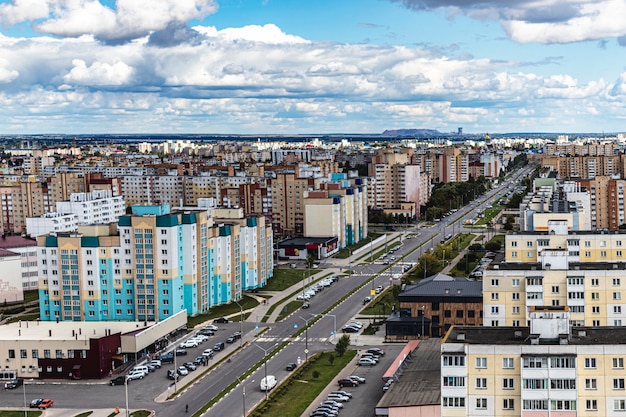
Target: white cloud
point(269, 33)
point(99, 73)
point(23, 10)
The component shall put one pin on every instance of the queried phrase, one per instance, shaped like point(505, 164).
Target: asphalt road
point(142, 393)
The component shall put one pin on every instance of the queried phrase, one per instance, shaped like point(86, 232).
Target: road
point(142, 394)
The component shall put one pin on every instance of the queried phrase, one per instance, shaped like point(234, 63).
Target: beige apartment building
point(581, 270)
point(573, 149)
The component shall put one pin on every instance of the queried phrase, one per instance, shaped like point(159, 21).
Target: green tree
point(342, 344)
point(427, 265)
point(508, 224)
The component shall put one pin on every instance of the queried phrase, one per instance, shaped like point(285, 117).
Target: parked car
point(182, 371)
point(268, 383)
point(349, 329)
point(199, 360)
point(218, 346)
point(181, 352)
point(190, 366)
point(208, 352)
point(376, 351)
point(120, 380)
point(367, 300)
point(14, 383)
point(291, 366)
point(357, 378)
point(156, 363)
point(366, 362)
point(172, 374)
point(136, 374)
point(347, 382)
point(333, 403)
point(211, 327)
point(189, 344)
point(206, 332)
point(230, 339)
point(221, 320)
point(338, 397)
point(45, 403)
point(35, 403)
point(342, 392)
point(306, 304)
point(167, 358)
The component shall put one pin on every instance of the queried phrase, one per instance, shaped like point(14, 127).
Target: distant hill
point(411, 132)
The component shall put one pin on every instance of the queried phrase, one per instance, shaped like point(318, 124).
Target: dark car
point(14, 383)
point(306, 305)
point(350, 329)
point(172, 374)
point(199, 360)
point(118, 380)
point(218, 346)
point(167, 358)
point(367, 300)
point(230, 339)
point(207, 332)
point(221, 320)
point(181, 352)
point(376, 351)
point(291, 366)
point(347, 382)
point(35, 403)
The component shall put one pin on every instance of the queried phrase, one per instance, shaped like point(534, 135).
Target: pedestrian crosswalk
point(293, 339)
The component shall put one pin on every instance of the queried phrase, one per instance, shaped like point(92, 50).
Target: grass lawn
point(20, 413)
point(490, 213)
point(85, 414)
point(223, 310)
point(345, 253)
point(284, 278)
point(292, 397)
point(288, 309)
point(31, 295)
point(381, 304)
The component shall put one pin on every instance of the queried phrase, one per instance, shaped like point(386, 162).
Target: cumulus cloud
point(546, 21)
point(99, 73)
point(131, 19)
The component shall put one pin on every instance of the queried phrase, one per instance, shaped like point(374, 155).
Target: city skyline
point(292, 67)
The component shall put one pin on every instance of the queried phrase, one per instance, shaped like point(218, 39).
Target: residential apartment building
point(26, 248)
point(582, 270)
point(576, 149)
point(151, 265)
point(581, 167)
point(544, 369)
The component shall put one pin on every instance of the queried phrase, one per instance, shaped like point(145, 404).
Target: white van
point(268, 383)
point(141, 368)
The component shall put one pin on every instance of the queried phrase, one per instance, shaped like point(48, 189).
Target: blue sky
point(317, 66)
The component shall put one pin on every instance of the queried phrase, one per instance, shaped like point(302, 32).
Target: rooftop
point(445, 285)
point(65, 330)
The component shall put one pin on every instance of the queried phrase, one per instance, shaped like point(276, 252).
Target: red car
point(347, 382)
point(47, 403)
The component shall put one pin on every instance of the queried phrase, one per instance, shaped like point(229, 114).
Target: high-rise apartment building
point(541, 370)
point(151, 265)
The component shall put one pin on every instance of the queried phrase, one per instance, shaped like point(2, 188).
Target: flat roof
point(51, 330)
point(419, 379)
point(509, 335)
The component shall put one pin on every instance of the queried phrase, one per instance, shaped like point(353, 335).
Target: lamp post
point(240, 324)
point(243, 395)
point(423, 316)
point(370, 249)
point(306, 339)
point(350, 259)
point(126, 390)
point(265, 363)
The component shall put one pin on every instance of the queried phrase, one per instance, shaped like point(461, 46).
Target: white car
point(136, 374)
point(366, 362)
point(202, 337)
point(182, 371)
point(189, 344)
point(212, 327)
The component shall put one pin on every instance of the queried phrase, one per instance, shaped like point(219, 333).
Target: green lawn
point(20, 413)
point(246, 302)
point(292, 398)
point(284, 278)
point(381, 304)
point(288, 309)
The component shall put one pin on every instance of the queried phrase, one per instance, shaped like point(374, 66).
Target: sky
point(274, 67)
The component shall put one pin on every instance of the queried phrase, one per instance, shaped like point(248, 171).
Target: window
point(481, 363)
point(563, 362)
point(481, 403)
point(494, 296)
point(508, 404)
point(514, 244)
point(515, 310)
point(453, 402)
point(591, 383)
point(513, 254)
point(494, 282)
point(11, 353)
point(453, 381)
point(508, 363)
point(46, 353)
point(58, 353)
point(595, 282)
point(595, 309)
point(481, 383)
point(535, 362)
point(618, 363)
point(590, 363)
point(616, 282)
point(562, 384)
point(515, 282)
point(555, 289)
point(515, 296)
point(535, 404)
point(619, 405)
point(591, 405)
point(453, 360)
point(495, 309)
point(507, 383)
point(23, 354)
point(34, 353)
point(562, 405)
point(595, 296)
point(618, 383)
point(617, 296)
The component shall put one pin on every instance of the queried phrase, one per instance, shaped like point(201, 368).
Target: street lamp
point(126, 390)
point(243, 394)
point(423, 316)
point(265, 363)
point(350, 259)
point(306, 339)
point(240, 324)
